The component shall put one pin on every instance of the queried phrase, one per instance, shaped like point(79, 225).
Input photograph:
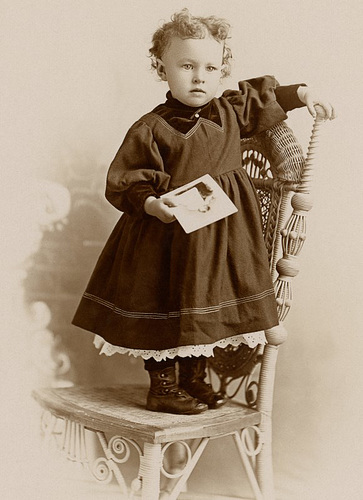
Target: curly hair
point(184, 25)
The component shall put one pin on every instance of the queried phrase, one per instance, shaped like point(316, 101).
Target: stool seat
point(120, 409)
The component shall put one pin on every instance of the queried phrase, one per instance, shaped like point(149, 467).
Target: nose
point(198, 77)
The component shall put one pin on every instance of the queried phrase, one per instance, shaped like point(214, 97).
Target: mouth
point(198, 91)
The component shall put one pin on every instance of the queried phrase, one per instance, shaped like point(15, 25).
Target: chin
point(196, 101)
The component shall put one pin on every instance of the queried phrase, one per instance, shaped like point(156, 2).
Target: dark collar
point(183, 117)
point(173, 103)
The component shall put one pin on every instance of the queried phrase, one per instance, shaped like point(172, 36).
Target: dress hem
point(251, 339)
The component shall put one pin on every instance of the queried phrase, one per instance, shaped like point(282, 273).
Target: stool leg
point(150, 471)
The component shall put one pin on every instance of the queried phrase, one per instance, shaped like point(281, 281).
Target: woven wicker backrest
point(275, 161)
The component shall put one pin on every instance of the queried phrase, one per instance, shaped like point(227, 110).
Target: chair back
point(280, 173)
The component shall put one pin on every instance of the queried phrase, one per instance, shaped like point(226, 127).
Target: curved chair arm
point(293, 235)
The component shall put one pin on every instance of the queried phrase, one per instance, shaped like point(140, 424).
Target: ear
point(160, 69)
point(223, 69)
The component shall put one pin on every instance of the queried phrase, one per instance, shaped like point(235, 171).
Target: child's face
point(192, 68)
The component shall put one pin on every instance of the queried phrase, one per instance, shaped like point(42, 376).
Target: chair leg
point(264, 467)
point(248, 468)
point(150, 467)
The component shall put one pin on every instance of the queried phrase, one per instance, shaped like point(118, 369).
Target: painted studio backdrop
point(75, 76)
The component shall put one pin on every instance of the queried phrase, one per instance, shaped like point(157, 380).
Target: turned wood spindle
point(293, 235)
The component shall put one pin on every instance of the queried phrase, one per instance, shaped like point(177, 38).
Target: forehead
point(199, 49)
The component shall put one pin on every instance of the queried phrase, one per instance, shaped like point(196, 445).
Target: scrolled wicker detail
point(183, 456)
point(236, 361)
point(233, 363)
point(101, 470)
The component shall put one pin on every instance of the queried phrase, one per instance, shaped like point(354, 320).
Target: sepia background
point(75, 76)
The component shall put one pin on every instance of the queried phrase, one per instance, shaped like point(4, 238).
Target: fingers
point(317, 105)
point(167, 218)
point(166, 214)
point(169, 202)
point(322, 109)
point(169, 221)
point(158, 208)
point(325, 110)
point(311, 107)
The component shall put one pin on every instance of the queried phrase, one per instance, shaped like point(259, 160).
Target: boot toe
point(204, 392)
point(180, 403)
point(200, 407)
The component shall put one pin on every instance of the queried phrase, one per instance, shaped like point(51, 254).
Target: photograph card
point(200, 203)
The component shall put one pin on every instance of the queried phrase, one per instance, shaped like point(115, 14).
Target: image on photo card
point(200, 203)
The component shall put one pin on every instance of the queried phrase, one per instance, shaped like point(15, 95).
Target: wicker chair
point(281, 174)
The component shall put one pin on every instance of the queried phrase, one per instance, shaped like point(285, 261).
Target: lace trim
point(251, 339)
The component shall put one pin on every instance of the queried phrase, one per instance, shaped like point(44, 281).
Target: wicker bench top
point(121, 409)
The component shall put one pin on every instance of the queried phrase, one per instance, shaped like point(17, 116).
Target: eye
point(187, 66)
point(211, 68)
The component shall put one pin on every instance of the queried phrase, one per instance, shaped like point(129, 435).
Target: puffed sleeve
point(256, 105)
point(136, 172)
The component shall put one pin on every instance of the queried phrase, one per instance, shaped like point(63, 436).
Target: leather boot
point(192, 372)
point(166, 396)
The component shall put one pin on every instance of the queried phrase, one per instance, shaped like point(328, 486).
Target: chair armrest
point(293, 235)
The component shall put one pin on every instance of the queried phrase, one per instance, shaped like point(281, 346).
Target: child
point(157, 292)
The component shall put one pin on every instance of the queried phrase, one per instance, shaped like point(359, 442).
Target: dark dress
point(154, 286)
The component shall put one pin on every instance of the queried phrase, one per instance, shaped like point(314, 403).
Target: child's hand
point(315, 104)
point(160, 208)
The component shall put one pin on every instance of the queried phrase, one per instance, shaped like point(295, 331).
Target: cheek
point(181, 79)
point(215, 79)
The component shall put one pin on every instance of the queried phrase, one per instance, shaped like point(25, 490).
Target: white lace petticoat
point(251, 339)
